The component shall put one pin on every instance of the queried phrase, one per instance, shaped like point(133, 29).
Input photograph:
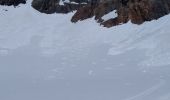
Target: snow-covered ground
point(46, 57)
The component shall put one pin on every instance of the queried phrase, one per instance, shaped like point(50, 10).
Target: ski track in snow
point(148, 91)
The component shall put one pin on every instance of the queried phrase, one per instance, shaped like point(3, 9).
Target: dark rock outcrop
point(54, 6)
point(12, 2)
point(139, 11)
point(136, 11)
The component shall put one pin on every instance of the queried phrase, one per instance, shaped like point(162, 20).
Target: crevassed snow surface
point(46, 57)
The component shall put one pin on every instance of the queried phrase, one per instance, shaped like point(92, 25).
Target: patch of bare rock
point(12, 2)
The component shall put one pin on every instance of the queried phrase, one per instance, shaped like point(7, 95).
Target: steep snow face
point(46, 57)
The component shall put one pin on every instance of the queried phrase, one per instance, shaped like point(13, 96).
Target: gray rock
point(12, 2)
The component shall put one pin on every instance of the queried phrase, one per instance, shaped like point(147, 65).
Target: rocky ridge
point(136, 11)
point(12, 2)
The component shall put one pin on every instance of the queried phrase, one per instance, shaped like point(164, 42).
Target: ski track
point(148, 91)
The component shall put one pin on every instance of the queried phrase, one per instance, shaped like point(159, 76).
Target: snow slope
point(46, 57)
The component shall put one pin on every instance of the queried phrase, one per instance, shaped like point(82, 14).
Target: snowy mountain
point(47, 57)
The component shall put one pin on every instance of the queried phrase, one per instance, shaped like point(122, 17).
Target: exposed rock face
point(54, 6)
point(136, 11)
point(139, 11)
point(12, 2)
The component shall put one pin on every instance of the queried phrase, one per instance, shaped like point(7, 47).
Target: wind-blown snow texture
point(46, 57)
